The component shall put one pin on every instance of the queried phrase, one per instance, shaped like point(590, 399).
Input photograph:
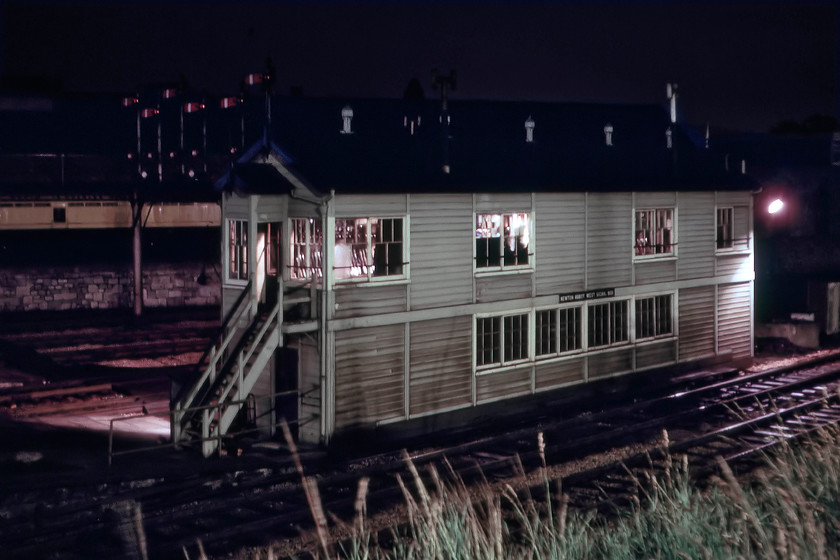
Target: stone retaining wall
point(59, 288)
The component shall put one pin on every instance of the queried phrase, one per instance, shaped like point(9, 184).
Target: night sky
point(740, 65)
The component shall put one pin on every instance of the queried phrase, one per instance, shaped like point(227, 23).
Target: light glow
point(776, 206)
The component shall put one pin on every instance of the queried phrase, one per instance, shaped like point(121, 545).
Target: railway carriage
point(390, 261)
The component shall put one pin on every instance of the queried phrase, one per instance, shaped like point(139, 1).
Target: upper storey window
point(725, 231)
point(654, 230)
point(502, 241)
point(306, 246)
point(369, 248)
point(237, 237)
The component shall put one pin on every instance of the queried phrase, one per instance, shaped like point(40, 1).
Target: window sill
point(481, 273)
point(233, 283)
point(364, 282)
point(489, 370)
point(641, 259)
point(733, 252)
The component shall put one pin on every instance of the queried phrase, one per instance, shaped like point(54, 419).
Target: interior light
point(775, 206)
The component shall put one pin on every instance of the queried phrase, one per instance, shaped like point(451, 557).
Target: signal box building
point(389, 261)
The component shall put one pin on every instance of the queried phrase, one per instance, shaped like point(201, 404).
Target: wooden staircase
point(204, 411)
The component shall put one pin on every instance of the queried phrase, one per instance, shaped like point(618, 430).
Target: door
point(286, 403)
point(268, 268)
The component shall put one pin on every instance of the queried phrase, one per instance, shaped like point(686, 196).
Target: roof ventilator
point(411, 123)
point(608, 134)
point(529, 129)
point(346, 118)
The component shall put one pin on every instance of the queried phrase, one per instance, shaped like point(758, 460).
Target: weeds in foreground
point(789, 508)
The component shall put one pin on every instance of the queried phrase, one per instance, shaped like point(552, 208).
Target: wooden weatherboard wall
point(406, 349)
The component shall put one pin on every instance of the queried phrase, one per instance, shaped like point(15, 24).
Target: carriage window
point(369, 248)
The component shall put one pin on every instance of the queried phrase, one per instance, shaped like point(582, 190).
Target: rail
point(198, 440)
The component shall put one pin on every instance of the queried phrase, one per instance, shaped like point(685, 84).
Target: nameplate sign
point(592, 294)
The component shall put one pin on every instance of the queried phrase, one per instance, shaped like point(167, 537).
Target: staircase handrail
point(223, 338)
point(248, 351)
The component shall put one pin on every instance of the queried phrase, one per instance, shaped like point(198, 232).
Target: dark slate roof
point(486, 148)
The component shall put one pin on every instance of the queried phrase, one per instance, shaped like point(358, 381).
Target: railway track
point(253, 500)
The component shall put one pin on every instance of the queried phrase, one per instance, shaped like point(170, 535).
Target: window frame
point(590, 324)
point(557, 335)
point(502, 362)
point(731, 229)
point(671, 333)
point(369, 277)
point(309, 247)
point(502, 268)
point(673, 242)
point(239, 228)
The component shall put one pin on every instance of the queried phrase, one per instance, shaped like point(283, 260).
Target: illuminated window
point(608, 323)
point(501, 340)
point(724, 228)
point(369, 248)
point(502, 240)
point(655, 232)
point(653, 316)
point(306, 244)
point(557, 331)
point(237, 250)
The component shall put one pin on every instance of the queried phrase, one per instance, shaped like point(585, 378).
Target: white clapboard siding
point(357, 301)
point(732, 198)
point(659, 354)
point(609, 246)
point(727, 265)
point(500, 287)
point(697, 322)
point(696, 235)
point(734, 319)
point(309, 385)
point(560, 242)
point(440, 364)
point(370, 205)
point(503, 384)
point(298, 208)
point(272, 208)
point(442, 239)
point(498, 202)
point(741, 227)
point(610, 363)
point(369, 375)
point(229, 295)
point(656, 200)
point(236, 207)
point(653, 271)
point(557, 374)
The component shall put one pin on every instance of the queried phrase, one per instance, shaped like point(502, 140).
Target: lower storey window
point(501, 339)
point(653, 316)
point(557, 331)
point(608, 323)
